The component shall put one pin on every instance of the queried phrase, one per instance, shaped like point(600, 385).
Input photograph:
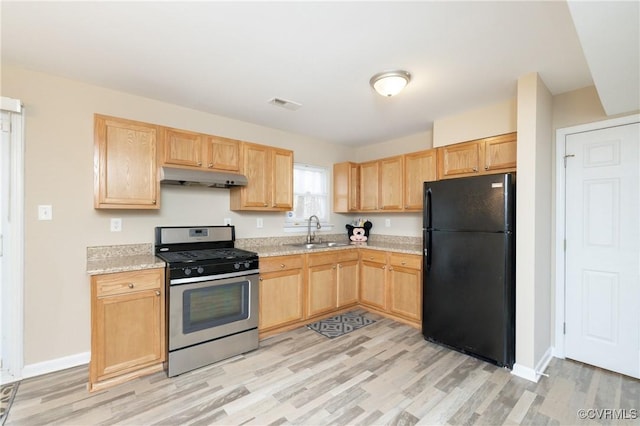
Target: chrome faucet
point(311, 238)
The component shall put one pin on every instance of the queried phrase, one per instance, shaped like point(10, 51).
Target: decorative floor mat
point(340, 324)
point(7, 393)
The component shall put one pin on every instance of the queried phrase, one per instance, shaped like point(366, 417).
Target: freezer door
point(468, 292)
point(478, 203)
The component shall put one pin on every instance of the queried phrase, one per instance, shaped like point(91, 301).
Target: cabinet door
point(256, 168)
point(405, 292)
point(391, 188)
point(345, 187)
point(223, 154)
point(372, 284)
point(126, 333)
point(419, 167)
point(369, 186)
point(182, 148)
point(125, 164)
point(322, 295)
point(348, 278)
point(500, 153)
point(459, 160)
point(280, 298)
point(282, 186)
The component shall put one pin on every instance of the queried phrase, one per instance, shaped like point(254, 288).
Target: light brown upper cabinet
point(125, 171)
point(194, 150)
point(270, 174)
point(390, 184)
point(495, 154)
point(419, 167)
point(346, 187)
point(222, 153)
point(381, 184)
point(369, 182)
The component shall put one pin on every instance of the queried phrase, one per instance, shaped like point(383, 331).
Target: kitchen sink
point(318, 245)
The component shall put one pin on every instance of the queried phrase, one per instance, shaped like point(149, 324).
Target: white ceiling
point(231, 58)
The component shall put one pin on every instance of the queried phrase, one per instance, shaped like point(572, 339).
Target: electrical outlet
point(387, 223)
point(227, 221)
point(259, 223)
point(116, 224)
point(45, 212)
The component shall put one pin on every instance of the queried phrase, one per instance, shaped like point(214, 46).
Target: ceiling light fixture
point(390, 83)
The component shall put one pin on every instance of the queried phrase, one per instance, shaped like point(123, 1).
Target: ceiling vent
point(283, 103)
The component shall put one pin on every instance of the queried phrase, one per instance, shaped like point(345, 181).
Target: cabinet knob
point(130, 285)
point(210, 165)
point(260, 279)
point(486, 167)
point(157, 292)
point(153, 201)
point(403, 263)
point(199, 163)
point(266, 204)
point(475, 169)
point(282, 265)
point(339, 265)
point(391, 268)
point(384, 267)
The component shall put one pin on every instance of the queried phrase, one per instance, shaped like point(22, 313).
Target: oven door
point(207, 308)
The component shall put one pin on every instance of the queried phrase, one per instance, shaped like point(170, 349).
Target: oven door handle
point(191, 280)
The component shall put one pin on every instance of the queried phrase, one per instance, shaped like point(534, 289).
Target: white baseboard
point(533, 374)
point(53, 365)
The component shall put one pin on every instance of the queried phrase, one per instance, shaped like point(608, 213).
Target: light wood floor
point(384, 373)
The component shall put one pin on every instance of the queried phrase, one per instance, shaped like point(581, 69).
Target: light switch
point(45, 212)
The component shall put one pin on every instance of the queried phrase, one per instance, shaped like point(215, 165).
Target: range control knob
point(236, 266)
point(247, 264)
point(187, 271)
point(200, 269)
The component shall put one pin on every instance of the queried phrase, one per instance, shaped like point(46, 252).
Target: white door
point(603, 248)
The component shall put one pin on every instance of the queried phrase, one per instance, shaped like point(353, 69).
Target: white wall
point(59, 158)
point(533, 224)
point(59, 171)
point(490, 120)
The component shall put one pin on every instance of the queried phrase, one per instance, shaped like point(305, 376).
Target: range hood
point(210, 178)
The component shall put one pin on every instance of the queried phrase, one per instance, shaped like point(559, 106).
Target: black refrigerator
point(469, 266)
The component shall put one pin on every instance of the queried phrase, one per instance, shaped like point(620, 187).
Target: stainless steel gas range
point(212, 292)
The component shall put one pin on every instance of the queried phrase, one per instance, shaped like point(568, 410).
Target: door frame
point(13, 294)
point(560, 276)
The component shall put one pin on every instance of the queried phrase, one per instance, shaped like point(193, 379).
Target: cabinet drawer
point(406, 260)
point(373, 256)
point(328, 258)
point(128, 282)
point(281, 263)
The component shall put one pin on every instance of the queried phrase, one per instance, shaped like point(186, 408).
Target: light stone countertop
point(122, 258)
point(286, 250)
point(132, 257)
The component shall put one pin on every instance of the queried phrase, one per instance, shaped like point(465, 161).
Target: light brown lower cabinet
point(300, 289)
point(332, 281)
point(405, 286)
point(127, 326)
point(391, 283)
point(373, 273)
point(281, 292)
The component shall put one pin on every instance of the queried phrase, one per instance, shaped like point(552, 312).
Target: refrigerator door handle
point(427, 251)
point(428, 209)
